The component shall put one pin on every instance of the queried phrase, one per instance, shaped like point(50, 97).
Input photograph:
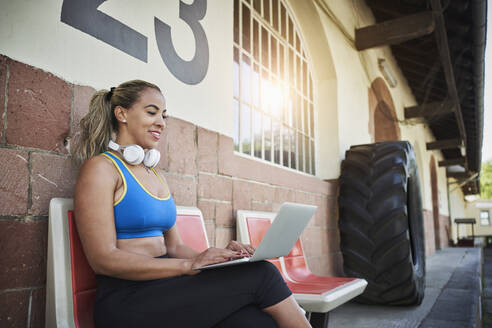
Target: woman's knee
point(266, 267)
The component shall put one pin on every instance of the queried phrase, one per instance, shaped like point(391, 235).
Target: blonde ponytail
point(99, 125)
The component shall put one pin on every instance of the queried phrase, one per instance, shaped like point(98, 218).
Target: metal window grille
point(273, 88)
point(484, 218)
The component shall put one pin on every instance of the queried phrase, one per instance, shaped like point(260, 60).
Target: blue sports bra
point(138, 213)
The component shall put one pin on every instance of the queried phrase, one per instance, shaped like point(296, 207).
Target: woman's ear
point(120, 114)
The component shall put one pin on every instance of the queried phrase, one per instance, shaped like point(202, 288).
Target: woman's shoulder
point(99, 167)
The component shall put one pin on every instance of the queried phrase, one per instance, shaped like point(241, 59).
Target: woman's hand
point(212, 256)
point(245, 250)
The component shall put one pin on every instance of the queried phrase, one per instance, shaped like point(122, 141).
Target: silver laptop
point(282, 235)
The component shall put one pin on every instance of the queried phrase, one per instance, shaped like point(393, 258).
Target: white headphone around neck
point(134, 154)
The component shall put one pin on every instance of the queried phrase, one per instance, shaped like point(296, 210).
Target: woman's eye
point(165, 116)
point(151, 113)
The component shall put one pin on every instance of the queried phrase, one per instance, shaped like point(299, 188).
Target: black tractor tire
point(381, 222)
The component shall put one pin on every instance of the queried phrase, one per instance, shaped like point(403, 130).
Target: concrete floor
point(452, 297)
point(487, 289)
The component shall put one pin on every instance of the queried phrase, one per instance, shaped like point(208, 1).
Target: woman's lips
point(155, 134)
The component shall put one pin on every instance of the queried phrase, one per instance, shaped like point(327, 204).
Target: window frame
point(293, 144)
point(486, 218)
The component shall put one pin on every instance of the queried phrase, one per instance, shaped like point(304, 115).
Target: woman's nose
point(161, 121)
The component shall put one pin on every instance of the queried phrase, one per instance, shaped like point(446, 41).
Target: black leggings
point(225, 297)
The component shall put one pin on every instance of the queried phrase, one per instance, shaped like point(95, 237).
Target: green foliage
point(486, 180)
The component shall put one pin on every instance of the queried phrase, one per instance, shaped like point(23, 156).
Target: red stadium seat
point(71, 282)
point(83, 279)
point(316, 294)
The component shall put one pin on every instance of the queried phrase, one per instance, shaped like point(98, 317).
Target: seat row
point(71, 283)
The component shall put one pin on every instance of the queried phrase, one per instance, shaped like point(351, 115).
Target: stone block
point(305, 198)
point(210, 227)
point(225, 155)
point(332, 212)
point(333, 241)
point(214, 187)
point(332, 187)
point(163, 148)
point(81, 99)
point(309, 199)
point(319, 265)
point(14, 308)
point(242, 195)
point(223, 236)
point(207, 151)
point(14, 182)
point(262, 193)
point(181, 146)
point(430, 243)
point(223, 215)
point(276, 207)
point(326, 265)
point(312, 241)
point(38, 113)
point(320, 218)
point(23, 260)
point(52, 176)
point(38, 308)
point(183, 189)
point(283, 195)
point(260, 206)
point(3, 81)
point(208, 209)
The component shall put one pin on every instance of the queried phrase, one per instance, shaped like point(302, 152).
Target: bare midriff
point(149, 246)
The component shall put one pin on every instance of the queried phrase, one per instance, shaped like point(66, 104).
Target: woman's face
point(145, 119)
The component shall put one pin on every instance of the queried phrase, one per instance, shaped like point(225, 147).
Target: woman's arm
point(93, 207)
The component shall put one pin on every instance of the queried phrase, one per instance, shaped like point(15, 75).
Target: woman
point(125, 217)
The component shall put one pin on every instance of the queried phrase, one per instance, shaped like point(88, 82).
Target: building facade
point(264, 96)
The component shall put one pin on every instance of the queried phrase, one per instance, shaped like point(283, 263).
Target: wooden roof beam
point(453, 161)
point(458, 175)
point(429, 110)
point(443, 48)
point(444, 144)
point(395, 31)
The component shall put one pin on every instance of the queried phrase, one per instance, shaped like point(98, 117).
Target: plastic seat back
point(192, 228)
point(71, 282)
point(83, 279)
point(59, 297)
point(252, 226)
point(257, 228)
point(295, 263)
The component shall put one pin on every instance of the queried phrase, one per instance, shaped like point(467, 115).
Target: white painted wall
point(31, 32)
point(355, 72)
point(472, 210)
point(457, 205)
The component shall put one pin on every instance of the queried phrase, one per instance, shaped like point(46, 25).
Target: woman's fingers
point(243, 248)
point(215, 255)
point(234, 245)
point(250, 249)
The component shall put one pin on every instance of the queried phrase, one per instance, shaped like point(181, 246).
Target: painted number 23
point(84, 16)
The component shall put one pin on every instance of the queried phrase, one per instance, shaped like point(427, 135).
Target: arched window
point(273, 88)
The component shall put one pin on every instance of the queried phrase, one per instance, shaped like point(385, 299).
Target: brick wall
point(430, 241)
point(41, 111)
point(430, 234)
point(36, 112)
point(444, 231)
